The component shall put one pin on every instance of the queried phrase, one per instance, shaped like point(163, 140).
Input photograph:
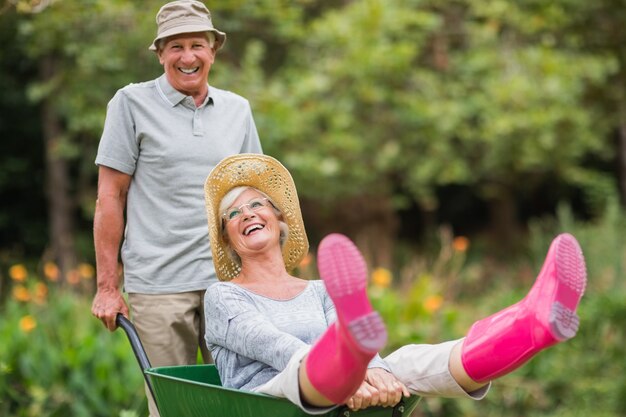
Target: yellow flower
point(51, 271)
point(86, 271)
point(460, 243)
point(381, 277)
point(18, 273)
point(28, 324)
point(20, 293)
point(433, 303)
point(40, 293)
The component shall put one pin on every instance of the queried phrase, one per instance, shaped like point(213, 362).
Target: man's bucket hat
point(185, 16)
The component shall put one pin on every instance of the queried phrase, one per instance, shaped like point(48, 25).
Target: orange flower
point(28, 324)
point(306, 261)
point(51, 271)
point(40, 293)
point(433, 303)
point(20, 293)
point(86, 271)
point(73, 277)
point(18, 273)
point(381, 277)
point(460, 243)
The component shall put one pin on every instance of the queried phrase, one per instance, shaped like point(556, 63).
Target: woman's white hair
point(226, 203)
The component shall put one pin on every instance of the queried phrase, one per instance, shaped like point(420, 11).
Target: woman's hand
point(379, 388)
point(364, 397)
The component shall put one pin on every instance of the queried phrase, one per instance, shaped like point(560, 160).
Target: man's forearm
point(108, 231)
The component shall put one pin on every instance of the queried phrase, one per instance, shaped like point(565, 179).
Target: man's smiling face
point(187, 60)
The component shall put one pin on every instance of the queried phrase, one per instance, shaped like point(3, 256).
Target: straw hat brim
point(268, 175)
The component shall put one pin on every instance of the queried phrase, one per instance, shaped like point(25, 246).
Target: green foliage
point(81, 53)
point(382, 97)
point(393, 98)
point(421, 305)
point(57, 360)
point(83, 57)
point(22, 217)
point(602, 241)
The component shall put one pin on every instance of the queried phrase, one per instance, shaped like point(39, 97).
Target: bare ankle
point(458, 371)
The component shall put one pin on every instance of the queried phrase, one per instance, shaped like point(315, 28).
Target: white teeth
point(189, 70)
point(251, 228)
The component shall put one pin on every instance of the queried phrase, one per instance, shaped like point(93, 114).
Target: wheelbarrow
point(196, 391)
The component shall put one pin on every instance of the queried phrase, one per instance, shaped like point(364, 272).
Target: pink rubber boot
point(337, 362)
point(506, 340)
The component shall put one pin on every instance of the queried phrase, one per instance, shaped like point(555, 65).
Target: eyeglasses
point(255, 204)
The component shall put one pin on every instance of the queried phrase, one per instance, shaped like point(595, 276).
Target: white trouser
point(422, 368)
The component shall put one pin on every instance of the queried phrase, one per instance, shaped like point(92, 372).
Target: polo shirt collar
point(175, 97)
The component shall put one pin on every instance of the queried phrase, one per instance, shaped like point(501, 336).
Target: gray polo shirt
point(156, 134)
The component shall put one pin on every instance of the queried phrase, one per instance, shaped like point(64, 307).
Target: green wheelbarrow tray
point(196, 391)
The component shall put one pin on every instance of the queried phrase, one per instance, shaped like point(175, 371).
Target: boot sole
point(344, 272)
point(341, 266)
point(369, 332)
point(563, 322)
point(572, 281)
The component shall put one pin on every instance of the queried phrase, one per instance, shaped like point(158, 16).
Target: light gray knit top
point(252, 337)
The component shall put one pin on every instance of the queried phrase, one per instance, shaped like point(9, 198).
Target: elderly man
point(161, 138)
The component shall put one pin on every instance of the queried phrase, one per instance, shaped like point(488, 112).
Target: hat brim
point(265, 174)
point(220, 37)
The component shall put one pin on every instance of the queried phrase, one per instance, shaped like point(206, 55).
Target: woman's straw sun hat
point(265, 174)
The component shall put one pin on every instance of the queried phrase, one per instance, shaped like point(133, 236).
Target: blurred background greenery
point(451, 139)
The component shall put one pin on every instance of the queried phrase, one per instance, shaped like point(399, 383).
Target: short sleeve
point(119, 146)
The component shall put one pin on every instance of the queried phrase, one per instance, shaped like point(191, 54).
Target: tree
point(375, 106)
point(388, 99)
point(597, 27)
point(82, 60)
point(23, 218)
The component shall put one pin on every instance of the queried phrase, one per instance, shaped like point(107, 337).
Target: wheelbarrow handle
point(135, 343)
point(397, 411)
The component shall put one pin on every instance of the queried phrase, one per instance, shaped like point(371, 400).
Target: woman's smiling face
point(252, 224)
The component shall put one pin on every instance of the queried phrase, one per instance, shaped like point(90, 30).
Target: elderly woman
point(316, 342)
